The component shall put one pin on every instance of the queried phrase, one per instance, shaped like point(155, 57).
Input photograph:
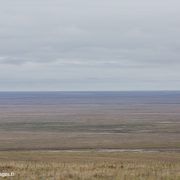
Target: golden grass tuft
point(90, 166)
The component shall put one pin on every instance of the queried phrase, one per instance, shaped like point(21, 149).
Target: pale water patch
point(112, 150)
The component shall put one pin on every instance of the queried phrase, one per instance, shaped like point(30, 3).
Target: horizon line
point(163, 90)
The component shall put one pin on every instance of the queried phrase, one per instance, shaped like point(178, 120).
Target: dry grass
point(91, 165)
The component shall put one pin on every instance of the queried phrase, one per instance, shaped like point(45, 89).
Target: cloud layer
point(89, 45)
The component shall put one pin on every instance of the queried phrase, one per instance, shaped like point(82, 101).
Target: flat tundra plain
point(89, 126)
point(90, 136)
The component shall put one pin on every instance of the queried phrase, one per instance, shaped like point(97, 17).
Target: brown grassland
point(39, 165)
point(33, 129)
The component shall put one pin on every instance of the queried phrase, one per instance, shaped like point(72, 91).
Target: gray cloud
point(84, 45)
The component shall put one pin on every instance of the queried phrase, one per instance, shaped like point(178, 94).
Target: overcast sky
point(90, 45)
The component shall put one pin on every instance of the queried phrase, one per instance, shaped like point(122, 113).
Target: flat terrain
point(90, 165)
point(92, 129)
point(87, 126)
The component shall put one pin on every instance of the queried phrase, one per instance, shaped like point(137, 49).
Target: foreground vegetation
point(90, 165)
